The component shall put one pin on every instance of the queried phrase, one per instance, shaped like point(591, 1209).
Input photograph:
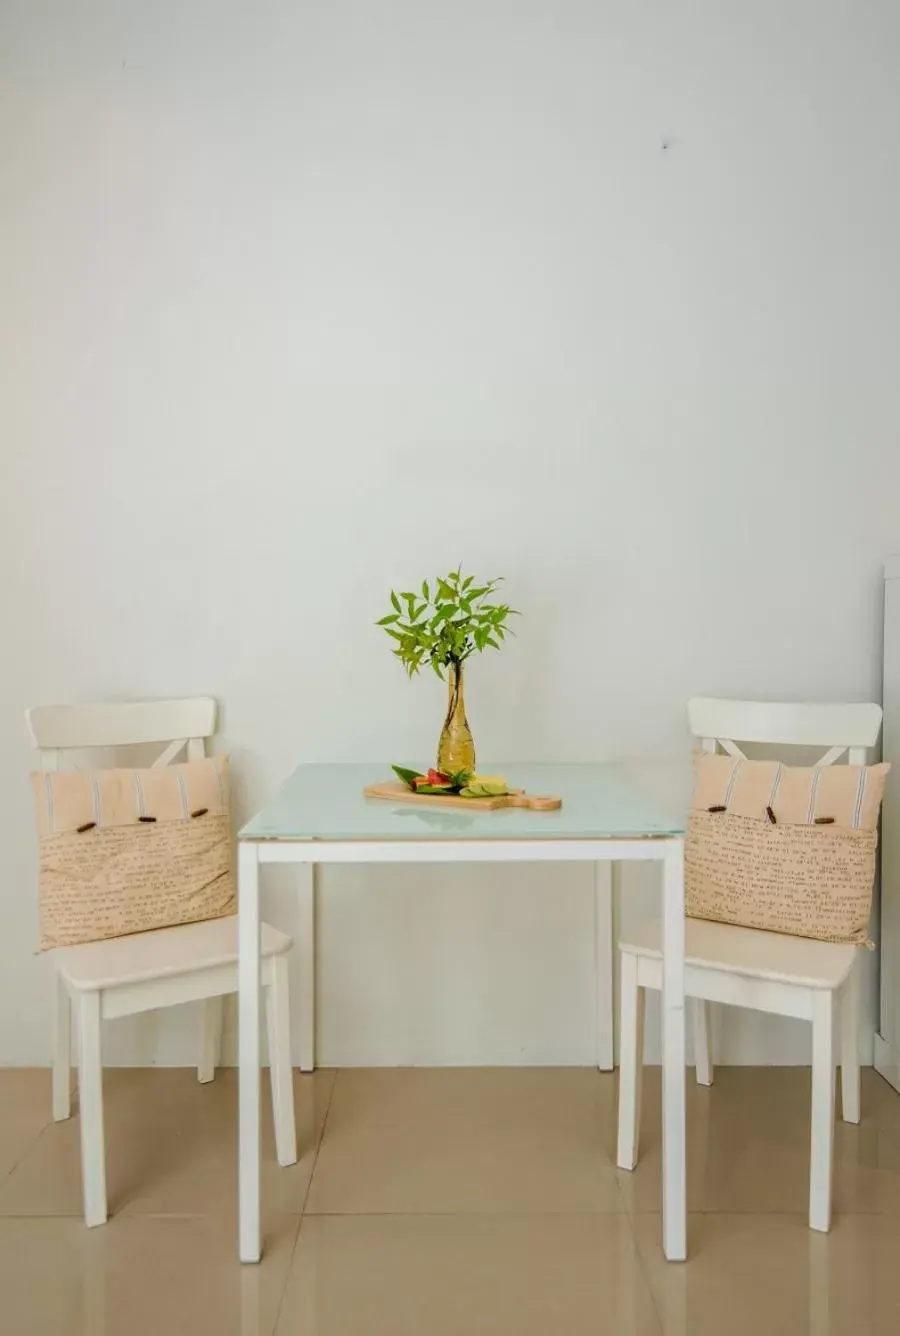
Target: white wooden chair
point(127, 975)
point(765, 971)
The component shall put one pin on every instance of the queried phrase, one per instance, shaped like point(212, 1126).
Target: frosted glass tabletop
point(325, 802)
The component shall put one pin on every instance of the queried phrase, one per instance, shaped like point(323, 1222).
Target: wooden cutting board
point(396, 792)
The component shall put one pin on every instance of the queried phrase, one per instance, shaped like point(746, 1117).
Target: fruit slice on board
point(489, 786)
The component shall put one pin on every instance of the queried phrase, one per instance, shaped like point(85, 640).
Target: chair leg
point(822, 1148)
point(90, 1102)
point(850, 1093)
point(210, 1038)
point(62, 1053)
point(280, 1071)
point(631, 1061)
point(702, 1055)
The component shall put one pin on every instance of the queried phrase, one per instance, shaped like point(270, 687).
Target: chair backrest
point(841, 728)
point(180, 723)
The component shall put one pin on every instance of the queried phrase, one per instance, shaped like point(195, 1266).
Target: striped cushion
point(786, 848)
point(124, 851)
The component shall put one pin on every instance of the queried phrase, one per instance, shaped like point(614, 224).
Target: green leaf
point(455, 620)
point(406, 775)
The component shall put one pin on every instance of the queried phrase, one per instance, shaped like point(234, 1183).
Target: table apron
point(622, 849)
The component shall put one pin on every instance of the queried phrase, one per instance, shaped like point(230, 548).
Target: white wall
point(301, 300)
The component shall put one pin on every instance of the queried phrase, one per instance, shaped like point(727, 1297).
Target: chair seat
point(752, 953)
point(159, 954)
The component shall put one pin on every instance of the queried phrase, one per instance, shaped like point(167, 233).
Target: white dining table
point(320, 816)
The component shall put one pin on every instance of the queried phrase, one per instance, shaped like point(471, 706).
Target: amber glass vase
point(456, 749)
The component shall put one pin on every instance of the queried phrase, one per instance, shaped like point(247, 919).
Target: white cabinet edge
point(892, 568)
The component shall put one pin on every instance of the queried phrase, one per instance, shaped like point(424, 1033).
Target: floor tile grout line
point(645, 1275)
point(26, 1150)
point(474, 1214)
point(321, 1138)
point(287, 1273)
point(302, 1212)
point(223, 1213)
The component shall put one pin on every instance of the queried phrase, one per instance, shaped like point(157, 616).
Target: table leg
point(248, 1052)
point(306, 948)
point(674, 1193)
point(605, 877)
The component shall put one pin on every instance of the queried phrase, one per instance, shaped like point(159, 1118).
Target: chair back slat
point(56, 729)
point(841, 728)
point(170, 753)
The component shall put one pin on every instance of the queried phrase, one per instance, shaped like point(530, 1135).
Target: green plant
point(446, 624)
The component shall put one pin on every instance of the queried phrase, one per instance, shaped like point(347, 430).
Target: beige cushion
point(124, 851)
point(786, 848)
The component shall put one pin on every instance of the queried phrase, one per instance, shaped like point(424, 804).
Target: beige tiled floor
point(435, 1202)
